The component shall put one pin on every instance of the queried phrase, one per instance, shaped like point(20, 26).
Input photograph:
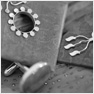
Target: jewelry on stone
point(70, 45)
point(27, 12)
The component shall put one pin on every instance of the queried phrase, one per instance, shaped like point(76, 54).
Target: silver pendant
point(29, 14)
point(26, 12)
point(70, 45)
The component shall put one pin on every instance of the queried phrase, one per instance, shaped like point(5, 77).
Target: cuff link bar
point(71, 38)
point(15, 65)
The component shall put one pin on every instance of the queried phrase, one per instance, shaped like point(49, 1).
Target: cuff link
point(15, 19)
point(13, 67)
point(10, 69)
point(16, 65)
point(70, 45)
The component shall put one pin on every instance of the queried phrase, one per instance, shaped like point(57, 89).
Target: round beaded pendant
point(24, 22)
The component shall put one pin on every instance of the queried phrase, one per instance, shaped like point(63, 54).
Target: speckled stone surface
point(66, 78)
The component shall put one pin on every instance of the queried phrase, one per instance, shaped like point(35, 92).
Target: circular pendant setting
point(24, 22)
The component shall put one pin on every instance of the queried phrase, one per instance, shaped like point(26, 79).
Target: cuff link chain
point(70, 45)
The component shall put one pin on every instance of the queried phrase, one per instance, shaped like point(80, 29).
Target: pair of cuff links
point(70, 45)
point(31, 75)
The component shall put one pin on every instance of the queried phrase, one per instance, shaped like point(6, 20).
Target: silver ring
point(28, 12)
